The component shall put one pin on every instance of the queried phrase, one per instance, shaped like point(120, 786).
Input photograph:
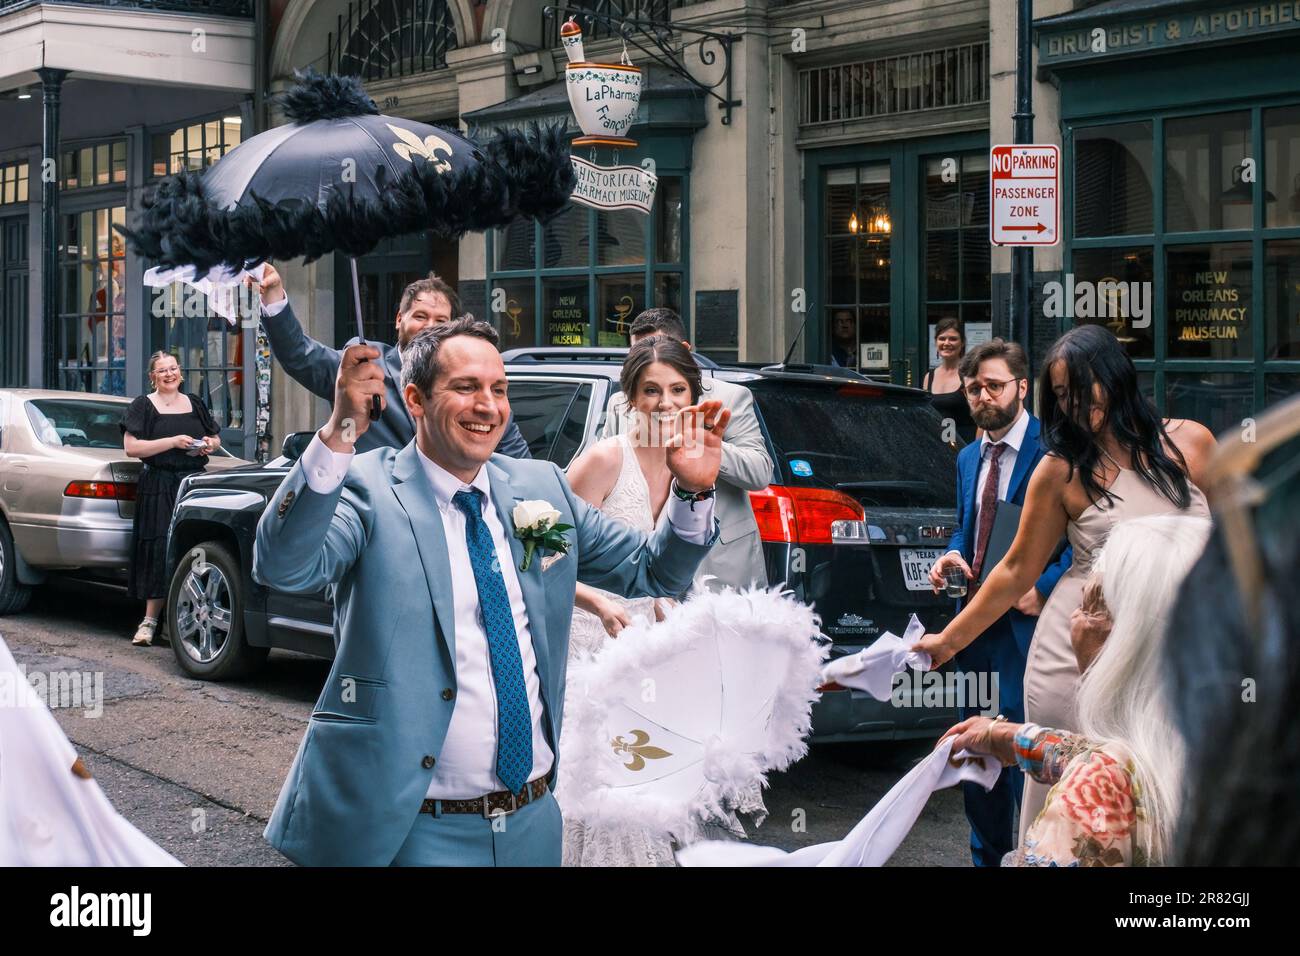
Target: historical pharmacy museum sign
point(1080, 39)
point(1207, 306)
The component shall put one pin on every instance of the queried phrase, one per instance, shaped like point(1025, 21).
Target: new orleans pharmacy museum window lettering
point(582, 278)
point(1189, 206)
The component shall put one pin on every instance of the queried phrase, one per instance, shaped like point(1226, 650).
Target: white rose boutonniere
point(536, 526)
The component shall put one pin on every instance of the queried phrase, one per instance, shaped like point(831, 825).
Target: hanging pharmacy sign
point(614, 187)
point(604, 98)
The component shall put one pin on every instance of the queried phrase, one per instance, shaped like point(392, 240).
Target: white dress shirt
point(1013, 439)
point(276, 307)
point(466, 766)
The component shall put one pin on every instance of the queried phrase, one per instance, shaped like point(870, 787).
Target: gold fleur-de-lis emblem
point(429, 147)
point(638, 750)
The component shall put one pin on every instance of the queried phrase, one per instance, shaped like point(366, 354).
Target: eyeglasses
point(994, 388)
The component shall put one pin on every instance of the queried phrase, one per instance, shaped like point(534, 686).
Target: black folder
point(1006, 522)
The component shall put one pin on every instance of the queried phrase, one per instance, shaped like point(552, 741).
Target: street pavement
point(197, 766)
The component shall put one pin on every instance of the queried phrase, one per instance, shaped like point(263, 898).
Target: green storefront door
point(897, 240)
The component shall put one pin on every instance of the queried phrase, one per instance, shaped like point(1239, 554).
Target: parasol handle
point(361, 332)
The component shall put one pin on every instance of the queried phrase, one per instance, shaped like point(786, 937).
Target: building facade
point(98, 101)
point(823, 183)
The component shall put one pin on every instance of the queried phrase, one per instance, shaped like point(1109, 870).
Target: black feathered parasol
point(342, 177)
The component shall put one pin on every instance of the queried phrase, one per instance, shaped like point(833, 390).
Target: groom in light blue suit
point(435, 739)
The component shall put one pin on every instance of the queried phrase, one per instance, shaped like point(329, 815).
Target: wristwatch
point(693, 496)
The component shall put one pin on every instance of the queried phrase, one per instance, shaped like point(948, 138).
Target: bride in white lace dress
point(627, 478)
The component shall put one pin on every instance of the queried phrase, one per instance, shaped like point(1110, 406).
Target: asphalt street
point(197, 766)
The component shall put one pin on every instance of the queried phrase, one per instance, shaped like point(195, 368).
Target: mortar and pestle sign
point(604, 99)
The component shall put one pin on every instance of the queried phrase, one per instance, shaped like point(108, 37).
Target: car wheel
point(205, 615)
point(14, 595)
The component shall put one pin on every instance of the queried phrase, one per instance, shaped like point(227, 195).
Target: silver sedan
point(67, 489)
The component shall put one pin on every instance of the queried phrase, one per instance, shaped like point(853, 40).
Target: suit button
point(427, 762)
point(448, 693)
point(285, 502)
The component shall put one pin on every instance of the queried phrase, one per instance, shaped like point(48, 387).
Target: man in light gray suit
point(435, 738)
point(737, 558)
point(315, 365)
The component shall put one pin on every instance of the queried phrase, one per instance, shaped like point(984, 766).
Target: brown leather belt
point(489, 805)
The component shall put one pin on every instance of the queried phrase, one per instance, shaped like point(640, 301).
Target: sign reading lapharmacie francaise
point(614, 187)
point(1025, 195)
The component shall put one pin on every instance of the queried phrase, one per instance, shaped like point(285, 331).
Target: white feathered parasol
point(670, 724)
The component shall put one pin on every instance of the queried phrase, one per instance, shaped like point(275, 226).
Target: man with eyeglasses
point(995, 378)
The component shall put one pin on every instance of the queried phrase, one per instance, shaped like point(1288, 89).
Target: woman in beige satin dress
point(1111, 458)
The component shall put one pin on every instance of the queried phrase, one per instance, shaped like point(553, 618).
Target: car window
point(76, 423)
point(882, 450)
point(552, 417)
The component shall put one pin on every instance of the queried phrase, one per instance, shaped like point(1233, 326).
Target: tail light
point(801, 515)
point(105, 490)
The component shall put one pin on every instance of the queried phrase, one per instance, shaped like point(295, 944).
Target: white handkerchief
point(48, 815)
point(873, 841)
point(220, 284)
point(873, 668)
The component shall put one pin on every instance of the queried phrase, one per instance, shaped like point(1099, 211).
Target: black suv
point(859, 506)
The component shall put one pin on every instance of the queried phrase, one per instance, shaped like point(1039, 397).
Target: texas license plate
point(916, 566)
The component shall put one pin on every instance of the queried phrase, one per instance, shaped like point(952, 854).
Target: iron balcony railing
point(658, 11)
point(952, 76)
point(379, 39)
point(223, 8)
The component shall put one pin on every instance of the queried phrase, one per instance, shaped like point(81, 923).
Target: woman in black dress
point(943, 382)
point(173, 433)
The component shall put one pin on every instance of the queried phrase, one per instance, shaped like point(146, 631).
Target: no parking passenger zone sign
point(1025, 195)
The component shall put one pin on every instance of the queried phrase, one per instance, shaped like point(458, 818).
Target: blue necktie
point(514, 722)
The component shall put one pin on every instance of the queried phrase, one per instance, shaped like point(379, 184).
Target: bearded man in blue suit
point(996, 468)
point(435, 739)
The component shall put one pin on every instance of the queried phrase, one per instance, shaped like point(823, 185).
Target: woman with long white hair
point(1117, 777)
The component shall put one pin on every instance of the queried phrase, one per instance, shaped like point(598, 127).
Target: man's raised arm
point(310, 363)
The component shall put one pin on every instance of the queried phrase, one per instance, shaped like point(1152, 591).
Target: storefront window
point(956, 244)
point(97, 165)
point(13, 184)
point(517, 320)
point(1282, 298)
point(858, 229)
point(620, 238)
point(208, 348)
point(565, 239)
point(564, 311)
point(1282, 166)
point(92, 321)
point(1113, 287)
point(1209, 301)
point(589, 271)
point(1218, 400)
point(620, 299)
point(195, 146)
point(1113, 170)
point(1208, 181)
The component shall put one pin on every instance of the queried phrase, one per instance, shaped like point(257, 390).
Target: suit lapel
point(970, 482)
point(1025, 459)
point(393, 373)
point(416, 496)
point(504, 497)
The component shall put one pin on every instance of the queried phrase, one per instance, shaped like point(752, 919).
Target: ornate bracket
point(654, 38)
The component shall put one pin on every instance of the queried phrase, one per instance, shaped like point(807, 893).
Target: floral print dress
point(1093, 815)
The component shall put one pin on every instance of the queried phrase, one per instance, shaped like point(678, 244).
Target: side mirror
point(295, 444)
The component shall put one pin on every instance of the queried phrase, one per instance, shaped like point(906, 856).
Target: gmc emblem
point(937, 531)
